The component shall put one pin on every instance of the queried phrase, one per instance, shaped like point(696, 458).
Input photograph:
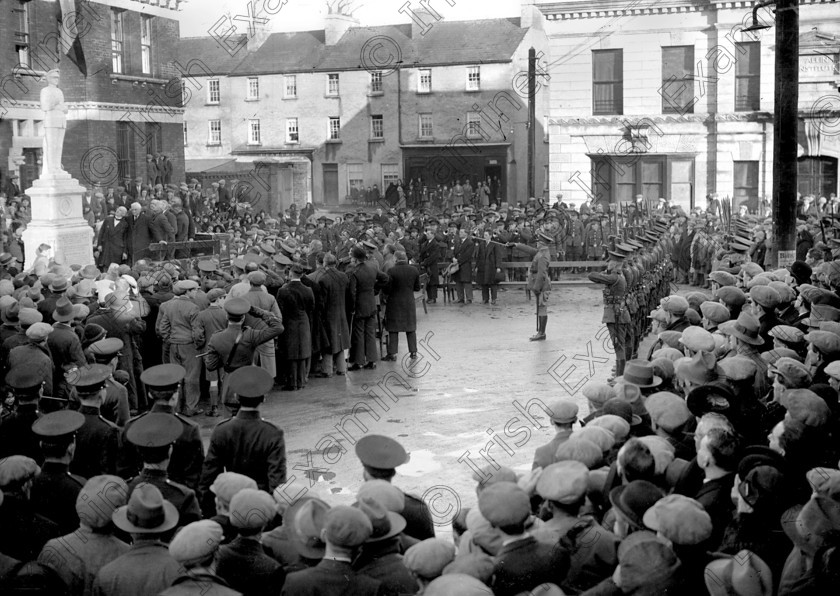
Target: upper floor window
point(21, 10)
point(290, 86)
point(334, 129)
point(377, 128)
point(214, 132)
point(677, 89)
point(424, 83)
point(253, 88)
point(473, 78)
point(376, 81)
point(473, 124)
point(607, 82)
point(292, 130)
point(426, 126)
point(254, 132)
point(146, 43)
point(213, 93)
point(332, 84)
point(117, 40)
point(748, 76)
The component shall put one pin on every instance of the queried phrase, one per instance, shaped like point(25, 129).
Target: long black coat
point(316, 318)
point(113, 238)
point(401, 309)
point(464, 252)
point(140, 235)
point(489, 258)
point(429, 259)
point(297, 303)
point(363, 282)
point(334, 286)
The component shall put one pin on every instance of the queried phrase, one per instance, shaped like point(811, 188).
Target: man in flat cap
point(195, 547)
point(235, 346)
point(258, 296)
point(176, 326)
point(345, 529)
point(97, 440)
point(78, 556)
point(246, 444)
point(564, 414)
point(24, 531)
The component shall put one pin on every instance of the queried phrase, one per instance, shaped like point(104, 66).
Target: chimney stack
point(336, 25)
point(531, 16)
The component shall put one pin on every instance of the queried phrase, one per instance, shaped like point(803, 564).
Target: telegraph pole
point(532, 110)
point(785, 130)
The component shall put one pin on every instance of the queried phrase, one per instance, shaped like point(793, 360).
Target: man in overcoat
point(401, 308)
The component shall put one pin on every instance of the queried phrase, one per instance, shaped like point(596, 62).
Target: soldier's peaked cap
point(377, 451)
point(58, 424)
point(237, 306)
point(250, 381)
point(163, 376)
point(90, 378)
point(155, 429)
point(23, 378)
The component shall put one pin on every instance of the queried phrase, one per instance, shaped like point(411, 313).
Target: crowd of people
point(707, 465)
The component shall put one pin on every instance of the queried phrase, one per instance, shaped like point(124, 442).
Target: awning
point(207, 165)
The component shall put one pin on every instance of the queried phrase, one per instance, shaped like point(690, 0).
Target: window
point(424, 83)
point(377, 130)
point(817, 176)
point(607, 82)
point(748, 76)
point(545, 178)
point(625, 182)
point(473, 78)
point(146, 43)
point(290, 86)
point(681, 183)
point(292, 130)
point(213, 93)
point(652, 179)
point(215, 132)
point(117, 40)
point(425, 125)
point(473, 124)
point(153, 137)
point(355, 179)
point(253, 88)
point(619, 180)
point(376, 81)
point(745, 184)
point(332, 84)
point(677, 89)
point(334, 129)
point(125, 150)
point(254, 132)
point(390, 173)
point(185, 134)
point(21, 10)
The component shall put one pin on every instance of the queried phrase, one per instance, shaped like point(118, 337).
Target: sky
point(198, 16)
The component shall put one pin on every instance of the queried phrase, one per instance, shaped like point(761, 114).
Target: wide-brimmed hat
point(751, 576)
point(639, 373)
point(304, 521)
point(147, 512)
point(63, 311)
point(634, 499)
point(386, 524)
point(746, 328)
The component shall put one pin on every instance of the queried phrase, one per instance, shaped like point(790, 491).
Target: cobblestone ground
point(473, 396)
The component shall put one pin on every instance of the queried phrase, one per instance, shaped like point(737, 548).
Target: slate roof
point(455, 42)
point(211, 53)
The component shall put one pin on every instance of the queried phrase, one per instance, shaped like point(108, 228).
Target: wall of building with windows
point(676, 101)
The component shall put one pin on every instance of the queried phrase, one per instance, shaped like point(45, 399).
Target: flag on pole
point(71, 43)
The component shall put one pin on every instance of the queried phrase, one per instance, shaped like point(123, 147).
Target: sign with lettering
point(819, 65)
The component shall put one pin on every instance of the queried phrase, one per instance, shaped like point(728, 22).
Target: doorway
point(330, 183)
point(817, 176)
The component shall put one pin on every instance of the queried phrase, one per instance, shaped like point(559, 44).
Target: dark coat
point(140, 235)
point(330, 578)
point(297, 303)
point(383, 562)
point(401, 308)
point(160, 228)
point(25, 532)
point(66, 350)
point(182, 497)
point(96, 445)
point(418, 518)
point(199, 584)
point(525, 564)
point(715, 497)
point(37, 359)
point(249, 445)
point(430, 258)
point(113, 241)
point(490, 258)
point(245, 566)
point(364, 279)
point(316, 317)
point(464, 252)
point(334, 286)
point(16, 436)
point(53, 495)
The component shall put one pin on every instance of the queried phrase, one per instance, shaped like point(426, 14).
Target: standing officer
point(177, 326)
point(98, 438)
point(615, 315)
point(246, 444)
point(380, 457)
point(17, 436)
point(538, 279)
point(54, 491)
point(153, 436)
point(234, 347)
point(187, 457)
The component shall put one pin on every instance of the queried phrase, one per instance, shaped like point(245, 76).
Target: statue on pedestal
point(55, 123)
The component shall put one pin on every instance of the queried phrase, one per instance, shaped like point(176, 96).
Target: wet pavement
point(474, 396)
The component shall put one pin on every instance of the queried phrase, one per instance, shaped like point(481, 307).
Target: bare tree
point(345, 7)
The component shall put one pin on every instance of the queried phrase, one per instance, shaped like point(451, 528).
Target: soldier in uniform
point(235, 346)
point(538, 280)
point(115, 404)
point(246, 444)
point(187, 455)
point(97, 440)
point(54, 491)
point(16, 434)
point(380, 456)
point(154, 435)
point(615, 315)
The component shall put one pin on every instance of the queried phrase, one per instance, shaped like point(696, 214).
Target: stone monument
point(56, 196)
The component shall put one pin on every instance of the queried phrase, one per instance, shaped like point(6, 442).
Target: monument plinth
point(56, 196)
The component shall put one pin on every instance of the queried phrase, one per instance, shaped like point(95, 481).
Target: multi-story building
point(311, 116)
point(120, 78)
point(673, 99)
